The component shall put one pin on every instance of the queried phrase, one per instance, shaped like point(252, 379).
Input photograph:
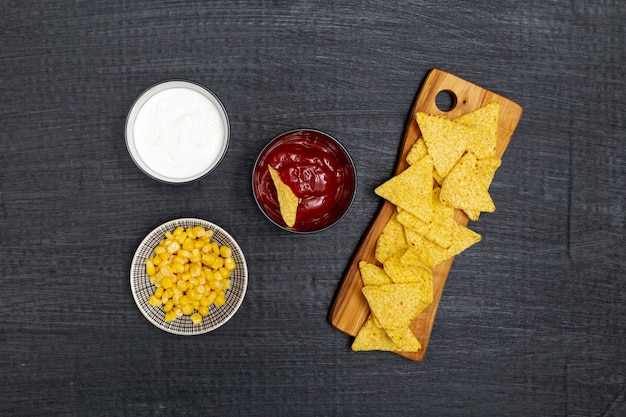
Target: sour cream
point(177, 131)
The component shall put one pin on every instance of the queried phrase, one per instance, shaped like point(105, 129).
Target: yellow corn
point(159, 292)
point(217, 263)
point(220, 300)
point(229, 263)
point(154, 301)
point(196, 318)
point(203, 310)
point(170, 316)
point(167, 282)
point(225, 252)
point(187, 309)
point(190, 273)
point(195, 270)
point(188, 244)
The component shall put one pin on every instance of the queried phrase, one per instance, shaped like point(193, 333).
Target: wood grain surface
point(350, 310)
point(532, 321)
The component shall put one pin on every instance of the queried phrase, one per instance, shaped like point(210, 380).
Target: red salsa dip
point(318, 170)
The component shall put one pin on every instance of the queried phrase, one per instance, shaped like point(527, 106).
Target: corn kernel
point(159, 292)
point(203, 310)
point(216, 285)
point(150, 268)
point(225, 252)
point(217, 263)
point(154, 301)
point(195, 270)
point(220, 300)
point(195, 256)
point(167, 282)
point(208, 258)
point(168, 306)
point(224, 272)
point(193, 294)
point(210, 298)
point(170, 316)
point(172, 247)
point(229, 263)
point(166, 271)
point(187, 309)
point(190, 233)
point(188, 244)
point(196, 318)
point(177, 267)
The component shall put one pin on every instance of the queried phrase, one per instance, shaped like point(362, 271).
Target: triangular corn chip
point(430, 254)
point(417, 151)
point(403, 338)
point(463, 188)
point(391, 239)
point(417, 273)
point(395, 305)
point(411, 189)
point(439, 229)
point(371, 337)
point(445, 140)
point(287, 200)
point(373, 275)
point(485, 121)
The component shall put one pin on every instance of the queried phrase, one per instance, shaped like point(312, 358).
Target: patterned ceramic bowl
point(142, 288)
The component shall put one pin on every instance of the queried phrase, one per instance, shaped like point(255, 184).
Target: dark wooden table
point(532, 320)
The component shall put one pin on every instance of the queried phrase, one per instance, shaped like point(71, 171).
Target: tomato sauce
point(316, 168)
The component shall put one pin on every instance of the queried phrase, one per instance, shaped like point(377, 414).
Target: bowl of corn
point(188, 276)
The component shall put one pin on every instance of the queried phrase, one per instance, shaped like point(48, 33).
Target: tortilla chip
point(446, 140)
point(417, 151)
point(395, 305)
point(373, 275)
point(485, 121)
point(466, 186)
point(439, 229)
point(403, 338)
point(371, 337)
point(411, 189)
point(472, 214)
point(391, 240)
point(438, 178)
point(430, 254)
point(486, 169)
point(416, 273)
point(287, 200)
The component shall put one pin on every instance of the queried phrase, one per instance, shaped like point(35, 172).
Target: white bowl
point(142, 288)
point(177, 131)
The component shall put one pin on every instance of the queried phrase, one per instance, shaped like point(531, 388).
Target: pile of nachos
point(451, 166)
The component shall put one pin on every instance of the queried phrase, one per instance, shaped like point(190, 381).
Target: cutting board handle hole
point(446, 100)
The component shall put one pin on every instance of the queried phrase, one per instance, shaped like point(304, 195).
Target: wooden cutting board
point(350, 309)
